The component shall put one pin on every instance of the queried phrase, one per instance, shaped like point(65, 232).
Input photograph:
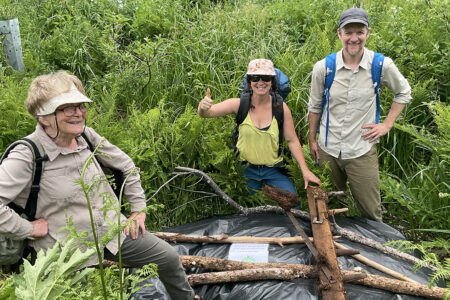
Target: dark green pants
point(363, 178)
point(152, 249)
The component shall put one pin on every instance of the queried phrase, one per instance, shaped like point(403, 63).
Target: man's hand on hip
point(375, 131)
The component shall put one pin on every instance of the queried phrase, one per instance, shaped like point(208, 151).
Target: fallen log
point(242, 275)
point(305, 271)
point(223, 238)
point(337, 230)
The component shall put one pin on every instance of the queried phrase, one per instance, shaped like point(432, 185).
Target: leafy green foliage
point(429, 257)
point(422, 198)
point(141, 275)
point(53, 272)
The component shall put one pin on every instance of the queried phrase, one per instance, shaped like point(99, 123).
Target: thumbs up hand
point(205, 104)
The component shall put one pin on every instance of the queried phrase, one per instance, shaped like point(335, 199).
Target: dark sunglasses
point(256, 78)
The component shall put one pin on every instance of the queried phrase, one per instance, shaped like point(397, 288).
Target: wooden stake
point(317, 202)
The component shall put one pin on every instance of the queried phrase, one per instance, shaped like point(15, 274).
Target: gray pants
point(151, 249)
point(363, 177)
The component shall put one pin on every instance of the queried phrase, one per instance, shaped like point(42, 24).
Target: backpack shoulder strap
point(39, 157)
point(278, 113)
point(244, 107)
point(377, 67)
point(330, 71)
point(90, 146)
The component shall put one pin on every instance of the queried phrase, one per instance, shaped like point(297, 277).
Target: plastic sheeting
point(273, 225)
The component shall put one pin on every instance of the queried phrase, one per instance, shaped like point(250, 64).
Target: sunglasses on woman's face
point(256, 78)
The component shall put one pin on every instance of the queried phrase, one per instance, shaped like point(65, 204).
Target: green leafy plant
point(429, 257)
point(53, 272)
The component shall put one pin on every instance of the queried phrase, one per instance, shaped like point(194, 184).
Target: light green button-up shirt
point(60, 196)
point(352, 102)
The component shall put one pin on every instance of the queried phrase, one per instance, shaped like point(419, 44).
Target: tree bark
point(243, 275)
point(305, 271)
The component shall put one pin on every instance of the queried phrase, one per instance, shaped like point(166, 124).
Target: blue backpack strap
point(377, 67)
point(330, 71)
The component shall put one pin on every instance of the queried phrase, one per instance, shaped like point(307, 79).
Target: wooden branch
point(223, 238)
point(337, 230)
point(337, 211)
point(335, 194)
point(242, 275)
point(346, 252)
point(355, 237)
point(218, 264)
point(284, 198)
point(214, 186)
point(304, 271)
point(376, 265)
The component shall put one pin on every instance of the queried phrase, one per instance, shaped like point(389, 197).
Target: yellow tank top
point(258, 147)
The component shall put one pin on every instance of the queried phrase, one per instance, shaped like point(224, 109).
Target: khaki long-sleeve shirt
point(352, 102)
point(61, 197)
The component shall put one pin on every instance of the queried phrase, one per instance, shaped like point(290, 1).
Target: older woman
point(258, 134)
point(58, 102)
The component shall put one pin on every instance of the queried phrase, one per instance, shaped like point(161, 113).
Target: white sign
point(249, 252)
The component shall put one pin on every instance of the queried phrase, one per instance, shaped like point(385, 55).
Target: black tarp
point(274, 225)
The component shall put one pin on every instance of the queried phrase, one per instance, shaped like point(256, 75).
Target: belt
point(259, 167)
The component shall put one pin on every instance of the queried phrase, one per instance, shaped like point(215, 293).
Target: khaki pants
point(363, 177)
point(152, 249)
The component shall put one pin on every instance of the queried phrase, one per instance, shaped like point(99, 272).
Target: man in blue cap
point(346, 118)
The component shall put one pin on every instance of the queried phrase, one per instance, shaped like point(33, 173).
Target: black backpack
point(19, 249)
point(38, 166)
point(39, 157)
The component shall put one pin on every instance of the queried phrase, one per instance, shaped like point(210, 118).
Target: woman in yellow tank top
point(258, 134)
